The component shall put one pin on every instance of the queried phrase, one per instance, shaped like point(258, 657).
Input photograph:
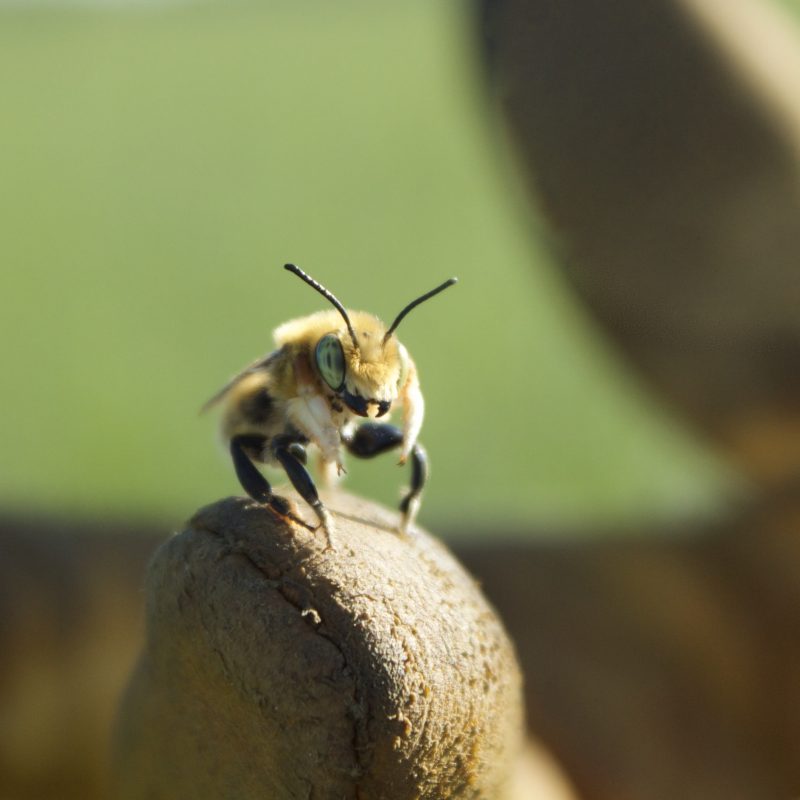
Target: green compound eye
point(330, 361)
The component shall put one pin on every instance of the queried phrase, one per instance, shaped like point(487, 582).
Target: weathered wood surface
point(274, 667)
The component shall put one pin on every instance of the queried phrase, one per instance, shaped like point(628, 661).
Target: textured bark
point(276, 668)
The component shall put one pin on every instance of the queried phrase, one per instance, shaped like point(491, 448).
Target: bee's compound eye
point(330, 361)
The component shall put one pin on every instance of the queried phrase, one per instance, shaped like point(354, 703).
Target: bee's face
point(367, 379)
point(361, 362)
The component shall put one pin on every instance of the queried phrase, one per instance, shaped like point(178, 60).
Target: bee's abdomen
point(257, 407)
point(251, 407)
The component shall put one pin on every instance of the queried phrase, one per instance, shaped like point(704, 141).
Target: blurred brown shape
point(662, 138)
point(276, 668)
point(661, 664)
point(538, 777)
point(70, 627)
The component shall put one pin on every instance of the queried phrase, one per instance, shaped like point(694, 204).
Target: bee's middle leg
point(243, 450)
point(371, 439)
point(291, 458)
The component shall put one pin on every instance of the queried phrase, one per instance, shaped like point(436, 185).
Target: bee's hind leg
point(291, 456)
point(373, 438)
point(253, 482)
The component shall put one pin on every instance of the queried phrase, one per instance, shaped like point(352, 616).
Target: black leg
point(373, 438)
point(243, 450)
point(291, 457)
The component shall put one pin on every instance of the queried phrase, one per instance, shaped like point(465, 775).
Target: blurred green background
point(159, 164)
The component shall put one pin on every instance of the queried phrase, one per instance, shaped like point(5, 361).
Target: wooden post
point(274, 668)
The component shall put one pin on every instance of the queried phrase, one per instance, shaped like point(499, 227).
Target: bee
point(329, 369)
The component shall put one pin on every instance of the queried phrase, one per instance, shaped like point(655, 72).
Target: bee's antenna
point(414, 303)
point(326, 294)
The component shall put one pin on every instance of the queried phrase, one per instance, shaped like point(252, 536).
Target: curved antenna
point(414, 303)
point(326, 294)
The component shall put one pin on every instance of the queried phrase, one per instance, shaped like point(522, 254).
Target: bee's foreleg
point(373, 438)
point(253, 482)
point(285, 450)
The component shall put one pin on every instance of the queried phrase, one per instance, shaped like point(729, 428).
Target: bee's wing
point(258, 364)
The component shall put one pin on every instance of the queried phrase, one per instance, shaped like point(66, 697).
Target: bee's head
point(366, 374)
point(363, 363)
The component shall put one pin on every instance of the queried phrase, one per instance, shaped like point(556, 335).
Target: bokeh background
point(160, 162)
